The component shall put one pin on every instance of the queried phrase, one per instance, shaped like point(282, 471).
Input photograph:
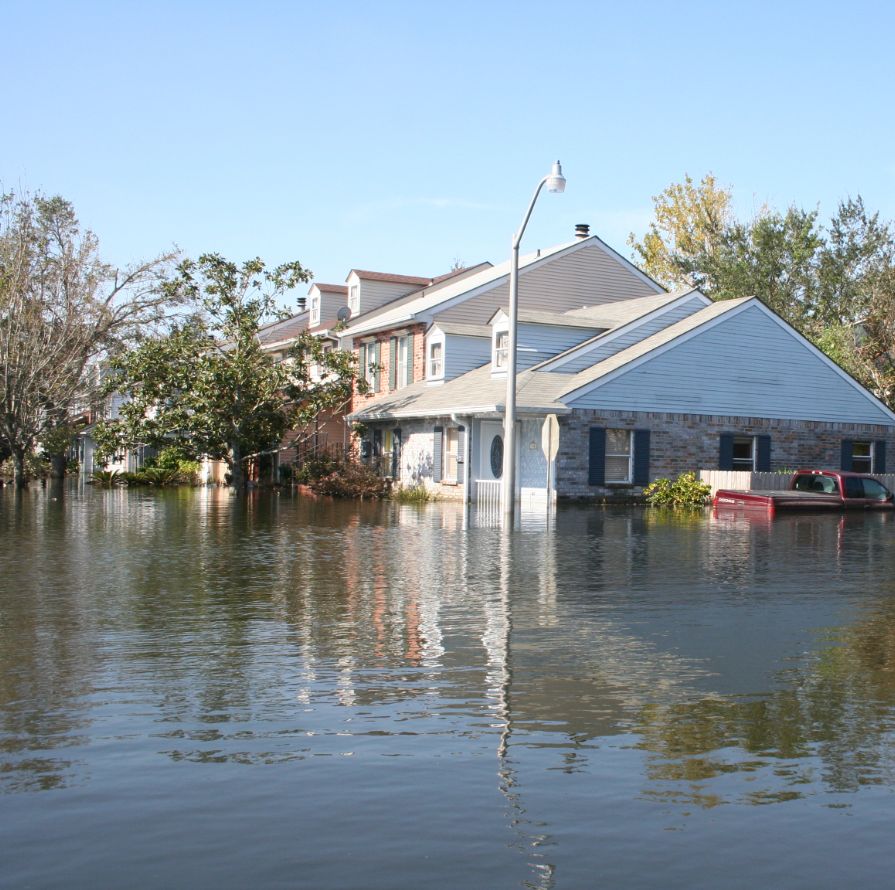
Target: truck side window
point(873, 489)
point(854, 487)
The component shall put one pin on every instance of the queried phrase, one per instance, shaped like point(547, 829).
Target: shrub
point(351, 480)
point(107, 478)
point(685, 491)
point(316, 467)
point(413, 494)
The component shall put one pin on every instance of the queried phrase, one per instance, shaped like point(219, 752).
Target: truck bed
point(780, 500)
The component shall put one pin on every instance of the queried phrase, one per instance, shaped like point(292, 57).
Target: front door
point(491, 453)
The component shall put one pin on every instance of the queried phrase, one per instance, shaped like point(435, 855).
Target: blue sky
point(404, 136)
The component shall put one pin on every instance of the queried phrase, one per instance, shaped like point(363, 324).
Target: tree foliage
point(834, 283)
point(209, 386)
point(61, 310)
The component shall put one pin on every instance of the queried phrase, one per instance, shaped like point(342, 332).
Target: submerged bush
point(350, 480)
point(685, 491)
point(413, 494)
point(108, 478)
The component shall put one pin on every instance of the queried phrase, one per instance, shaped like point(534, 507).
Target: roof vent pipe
point(582, 231)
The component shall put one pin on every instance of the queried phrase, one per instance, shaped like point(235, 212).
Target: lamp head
point(556, 182)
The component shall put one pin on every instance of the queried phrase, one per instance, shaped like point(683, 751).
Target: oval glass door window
point(497, 457)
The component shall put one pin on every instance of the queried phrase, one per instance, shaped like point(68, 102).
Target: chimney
point(582, 231)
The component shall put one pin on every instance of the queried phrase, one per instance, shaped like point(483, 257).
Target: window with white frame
point(743, 453)
point(315, 310)
point(436, 360)
point(403, 361)
point(354, 299)
point(451, 451)
point(619, 456)
point(501, 349)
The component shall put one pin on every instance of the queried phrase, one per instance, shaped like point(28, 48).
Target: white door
point(491, 450)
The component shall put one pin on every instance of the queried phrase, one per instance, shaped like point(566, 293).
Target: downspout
point(466, 423)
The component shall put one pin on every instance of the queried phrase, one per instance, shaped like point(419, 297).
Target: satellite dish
point(343, 314)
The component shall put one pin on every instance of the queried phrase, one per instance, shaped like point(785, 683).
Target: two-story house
point(643, 383)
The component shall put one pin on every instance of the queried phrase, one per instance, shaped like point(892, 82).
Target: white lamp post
point(555, 182)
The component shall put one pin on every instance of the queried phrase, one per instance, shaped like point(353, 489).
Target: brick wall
point(682, 442)
point(385, 358)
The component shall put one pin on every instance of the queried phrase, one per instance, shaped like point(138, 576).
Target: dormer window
point(354, 299)
point(315, 311)
point(436, 366)
point(501, 350)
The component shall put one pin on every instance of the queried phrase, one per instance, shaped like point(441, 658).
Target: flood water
point(198, 691)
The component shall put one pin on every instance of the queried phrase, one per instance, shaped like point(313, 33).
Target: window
point(436, 368)
point(354, 299)
point(403, 361)
point(748, 453)
point(501, 349)
point(861, 457)
point(451, 451)
point(618, 456)
point(744, 453)
point(876, 491)
point(369, 364)
point(315, 310)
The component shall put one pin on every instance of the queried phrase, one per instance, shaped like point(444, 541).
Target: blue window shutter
point(845, 459)
point(376, 361)
point(879, 456)
point(393, 363)
point(641, 457)
point(461, 455)
point(437, 449)
point(596, 470)
point(763, 454)
point(396, 454)
point(725, 451)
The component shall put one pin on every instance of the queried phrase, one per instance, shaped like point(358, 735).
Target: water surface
point(200, 691)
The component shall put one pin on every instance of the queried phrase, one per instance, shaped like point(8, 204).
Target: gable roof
point(463, 330)
point(330, 288)
point(563, 320)
point(365, 275)
point(619, 318)
point(400, 312)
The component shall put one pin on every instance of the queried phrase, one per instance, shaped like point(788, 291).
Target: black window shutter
point(461, 455)
point(393, 363)
point(437, 448)
point(596, 468)
point(879, 456)
point(847, 450)
point(396, 454)
point(725, 451)
point(763, 454)
point(641, 457)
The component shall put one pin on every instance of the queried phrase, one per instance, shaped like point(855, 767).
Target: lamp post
point(555, 182)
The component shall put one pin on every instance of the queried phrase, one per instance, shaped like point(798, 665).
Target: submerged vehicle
point(814, 490)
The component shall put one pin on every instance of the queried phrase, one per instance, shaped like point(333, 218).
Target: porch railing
point(487, 494)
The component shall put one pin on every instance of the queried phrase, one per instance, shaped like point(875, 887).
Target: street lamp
point(555, 182)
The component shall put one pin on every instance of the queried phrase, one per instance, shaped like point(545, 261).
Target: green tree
point(208, 386)
point(834, 284)
point(62, 309)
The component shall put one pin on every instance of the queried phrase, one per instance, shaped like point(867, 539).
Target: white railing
point(487, 493)
point(743, 480)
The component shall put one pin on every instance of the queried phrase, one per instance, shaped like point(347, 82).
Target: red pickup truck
point(814, 490)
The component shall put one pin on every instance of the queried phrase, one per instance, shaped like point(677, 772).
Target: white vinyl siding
point(599, 350)
point(585, 277)
point(745, 365)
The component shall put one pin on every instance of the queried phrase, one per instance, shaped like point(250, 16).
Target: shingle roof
point(480, 392)
point(286, 329)
point(657, 340)
point(477, 392)
point(331, 288)
point(560, 319)
point(363, 274)
point(463, 330)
